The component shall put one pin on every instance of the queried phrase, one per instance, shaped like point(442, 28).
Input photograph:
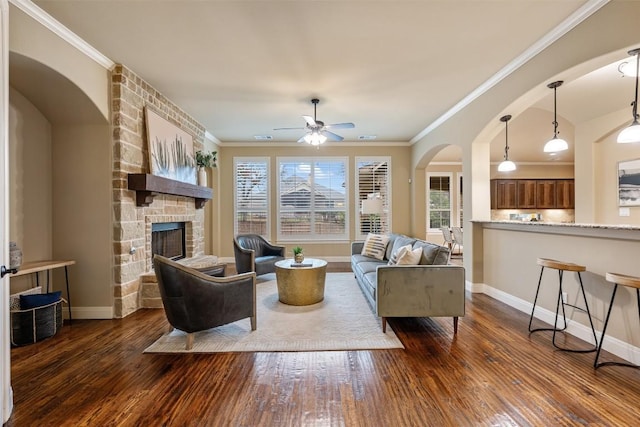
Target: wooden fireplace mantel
point(148, 186)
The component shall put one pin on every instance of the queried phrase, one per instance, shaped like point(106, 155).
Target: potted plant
point(205, 160)
point(298, 256)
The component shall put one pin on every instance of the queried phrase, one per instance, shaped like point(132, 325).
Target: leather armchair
point(194, 301)
point(254, 253)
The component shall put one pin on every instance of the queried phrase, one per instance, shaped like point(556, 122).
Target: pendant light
point(632, 132)
point(506, 165)
point(556, 144)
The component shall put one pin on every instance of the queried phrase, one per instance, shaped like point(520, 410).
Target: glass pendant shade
point(555, 145)
point(506, 166)
point(632, 133)
point(628, 69)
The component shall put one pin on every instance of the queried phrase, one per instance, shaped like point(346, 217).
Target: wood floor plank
point(93, 373)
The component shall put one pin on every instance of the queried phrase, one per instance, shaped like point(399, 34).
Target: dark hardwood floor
point(93, 373)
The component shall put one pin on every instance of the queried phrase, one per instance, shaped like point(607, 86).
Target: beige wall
point(29, 38)
point(400, 164)
point(30, 216)
point(607, 154)
point(82, 214)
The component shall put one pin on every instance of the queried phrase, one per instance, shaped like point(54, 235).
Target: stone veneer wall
point(132, 224)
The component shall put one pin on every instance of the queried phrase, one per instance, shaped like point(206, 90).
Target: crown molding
point(326, 144)
point(49, 22)
point(567, 25)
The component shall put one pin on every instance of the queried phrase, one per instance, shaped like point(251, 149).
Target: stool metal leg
point(535, 301)
point(586, 309)
point(596, 365)
point(560, 304)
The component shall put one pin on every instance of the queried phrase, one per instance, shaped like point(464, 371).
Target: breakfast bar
point(509, 250)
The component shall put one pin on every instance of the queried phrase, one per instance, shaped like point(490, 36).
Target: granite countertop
point(565, 224)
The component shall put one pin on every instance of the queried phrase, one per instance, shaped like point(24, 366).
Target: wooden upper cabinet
point(532, 194)
point(565, 194)
point(526, 193)
point(506, 190)
point(546, 194)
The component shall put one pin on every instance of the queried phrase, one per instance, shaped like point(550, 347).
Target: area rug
point(342, 321)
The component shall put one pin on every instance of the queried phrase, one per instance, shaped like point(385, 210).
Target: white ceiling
point(242, 68)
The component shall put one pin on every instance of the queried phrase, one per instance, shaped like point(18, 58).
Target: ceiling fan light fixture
point(632, 133)
point(555, 144)
point(506, 165)
point(315, 138)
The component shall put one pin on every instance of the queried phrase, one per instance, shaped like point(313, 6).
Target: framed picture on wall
point(629, 183)
point(170, 149)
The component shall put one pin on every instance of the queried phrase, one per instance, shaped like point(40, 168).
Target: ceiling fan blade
point(289, 128)
point(332, 135)
point(310, 121)
point(341, 126)
point(301, 138)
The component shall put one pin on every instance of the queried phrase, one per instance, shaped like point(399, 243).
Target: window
point(251, 196)
point(312, 201)
point(439, 201)
point(373, 194)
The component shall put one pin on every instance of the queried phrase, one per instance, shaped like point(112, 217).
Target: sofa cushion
point(392, 239)
point(432, 254)
point(410, 256)
point(375, 246)
point(397, 253)
point(402, 240)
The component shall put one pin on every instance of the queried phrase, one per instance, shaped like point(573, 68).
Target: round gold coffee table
point(303, 285)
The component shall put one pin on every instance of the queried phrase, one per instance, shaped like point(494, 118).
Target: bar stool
point(562, 267)
point(624, 280)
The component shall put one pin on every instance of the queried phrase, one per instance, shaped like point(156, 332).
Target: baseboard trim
point(613, 345)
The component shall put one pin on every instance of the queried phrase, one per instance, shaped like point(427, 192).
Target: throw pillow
point(375, 246)
point(38, 300)
point(410, 257)
point(398, 253)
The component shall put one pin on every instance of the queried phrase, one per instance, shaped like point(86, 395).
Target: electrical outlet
point(564, 297)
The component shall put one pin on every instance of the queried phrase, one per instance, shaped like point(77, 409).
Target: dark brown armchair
point(254, 253)
point(194, 301)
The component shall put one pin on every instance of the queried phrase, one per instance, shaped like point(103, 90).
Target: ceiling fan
point(317, 131)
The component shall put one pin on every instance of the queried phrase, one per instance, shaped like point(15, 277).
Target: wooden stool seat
point(562, 266)
point(624, 280)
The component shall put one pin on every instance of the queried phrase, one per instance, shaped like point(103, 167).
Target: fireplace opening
point(168, 240)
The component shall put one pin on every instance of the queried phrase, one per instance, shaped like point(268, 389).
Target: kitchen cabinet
point(565, 194)
point(506, 191)
point(532, 194)
point(526, 193)
point(546, 194)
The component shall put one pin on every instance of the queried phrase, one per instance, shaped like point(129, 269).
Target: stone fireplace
point(133, 223)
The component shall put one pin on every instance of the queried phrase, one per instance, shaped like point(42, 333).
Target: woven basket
point(35, 324)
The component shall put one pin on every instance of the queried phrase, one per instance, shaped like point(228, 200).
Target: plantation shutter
point(252, 196)
point(373, 188)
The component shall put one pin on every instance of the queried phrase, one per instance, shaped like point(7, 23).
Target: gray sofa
point(431, 289)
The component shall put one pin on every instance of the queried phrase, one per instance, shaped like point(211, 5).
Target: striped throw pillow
point(375, 246)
